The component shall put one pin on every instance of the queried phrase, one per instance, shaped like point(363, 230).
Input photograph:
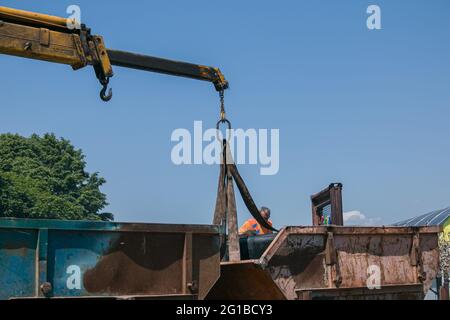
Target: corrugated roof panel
point(434, 218)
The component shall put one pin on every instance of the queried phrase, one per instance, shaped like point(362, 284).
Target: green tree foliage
point(45, 178)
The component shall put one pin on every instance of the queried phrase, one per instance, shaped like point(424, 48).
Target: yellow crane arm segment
point(49, 38)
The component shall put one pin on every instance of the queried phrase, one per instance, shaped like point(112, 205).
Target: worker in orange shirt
point(251, 227)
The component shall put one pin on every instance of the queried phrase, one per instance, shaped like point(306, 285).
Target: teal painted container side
point(17, 263)
point(72, 254)
point(50, 258)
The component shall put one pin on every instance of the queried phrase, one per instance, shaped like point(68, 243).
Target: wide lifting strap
point(225, 213)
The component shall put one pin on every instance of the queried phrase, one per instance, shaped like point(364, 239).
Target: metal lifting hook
point(103, 95)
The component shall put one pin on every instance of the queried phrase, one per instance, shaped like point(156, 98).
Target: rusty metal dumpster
point(85, 259)
point(331, 262)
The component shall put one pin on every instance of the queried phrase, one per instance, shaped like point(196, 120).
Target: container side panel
point(343, 260)
point(17, 263)
point(115, 264)
point(299, 262)
point(389, 254)
point(71, 255)
point(430, 254)
point(206, 259)
point(245, 281)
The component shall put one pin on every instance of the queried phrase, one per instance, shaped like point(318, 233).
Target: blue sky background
point(367, 108)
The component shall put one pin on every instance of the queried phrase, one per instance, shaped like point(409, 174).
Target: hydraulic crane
point(49, 38)
point(54, 39)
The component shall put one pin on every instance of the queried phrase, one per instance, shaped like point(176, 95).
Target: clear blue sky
point(367, 108)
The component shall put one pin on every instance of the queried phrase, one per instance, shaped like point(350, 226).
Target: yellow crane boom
point(50, 38)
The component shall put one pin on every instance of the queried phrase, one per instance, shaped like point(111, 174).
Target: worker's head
point(265, 213)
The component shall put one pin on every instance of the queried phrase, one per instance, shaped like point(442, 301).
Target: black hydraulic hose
point(246, 196)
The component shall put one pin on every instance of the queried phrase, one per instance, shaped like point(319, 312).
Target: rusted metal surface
point(444, 293)
point(335, 262)
point(143, 274)
point(389, 292)
point(329, 198)
point(244, 280)
point(123, 297)
point(41, 258)
point(234, 253)
point(66, 259)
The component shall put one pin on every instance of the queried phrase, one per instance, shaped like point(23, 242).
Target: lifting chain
point(223, 118)
point(222, 105)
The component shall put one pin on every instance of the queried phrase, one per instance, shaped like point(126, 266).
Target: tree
point(45, 178)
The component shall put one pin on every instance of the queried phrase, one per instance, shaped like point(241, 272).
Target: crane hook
point(105, 97)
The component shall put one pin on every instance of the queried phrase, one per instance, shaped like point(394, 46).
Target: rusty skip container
point(86, 259)
point(331, 262)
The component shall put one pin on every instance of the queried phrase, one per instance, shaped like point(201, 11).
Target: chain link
point(222, 105)
point(223, 118)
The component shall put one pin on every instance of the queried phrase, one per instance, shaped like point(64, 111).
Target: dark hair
point(265, 209)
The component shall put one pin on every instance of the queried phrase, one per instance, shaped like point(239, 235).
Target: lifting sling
point(225, 213)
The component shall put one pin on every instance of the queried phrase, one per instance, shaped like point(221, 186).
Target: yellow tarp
point(447, 230)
